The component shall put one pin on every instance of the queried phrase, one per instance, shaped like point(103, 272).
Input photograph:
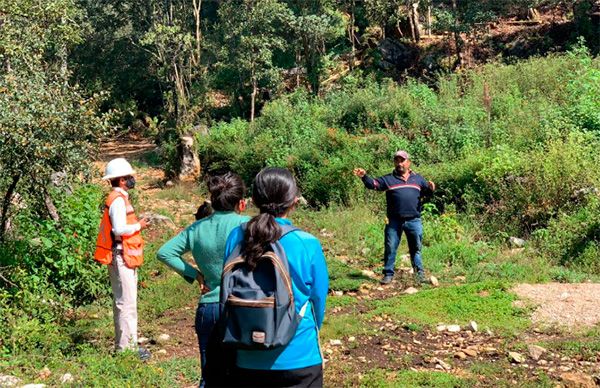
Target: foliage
point(49, 269)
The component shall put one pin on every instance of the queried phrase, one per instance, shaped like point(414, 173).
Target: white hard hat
point(117, 168)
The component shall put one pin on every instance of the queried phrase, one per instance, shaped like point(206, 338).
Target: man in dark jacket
point(404, 190)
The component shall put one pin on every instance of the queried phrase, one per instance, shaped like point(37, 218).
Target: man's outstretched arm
point(370, 183)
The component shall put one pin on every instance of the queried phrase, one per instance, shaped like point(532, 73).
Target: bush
point(49, 269)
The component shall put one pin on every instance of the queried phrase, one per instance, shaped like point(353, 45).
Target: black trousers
point(311, 376)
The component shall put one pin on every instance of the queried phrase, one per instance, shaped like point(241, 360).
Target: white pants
point(124, 286)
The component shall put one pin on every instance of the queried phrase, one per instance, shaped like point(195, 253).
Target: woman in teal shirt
point(298, 364)
point(206, 240)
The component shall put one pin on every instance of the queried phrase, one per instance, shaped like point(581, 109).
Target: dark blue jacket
point(403, 197)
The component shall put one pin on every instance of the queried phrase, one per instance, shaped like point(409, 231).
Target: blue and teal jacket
point(310, 282)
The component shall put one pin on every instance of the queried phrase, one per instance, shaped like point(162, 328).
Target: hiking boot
point(386, 279)
point(144, 354)
point(421, 279)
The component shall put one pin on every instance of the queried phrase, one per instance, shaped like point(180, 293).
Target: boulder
point(516, 242)
point(516, 358)
point(9, 381)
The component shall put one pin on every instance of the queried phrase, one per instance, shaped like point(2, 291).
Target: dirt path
point(574, 306)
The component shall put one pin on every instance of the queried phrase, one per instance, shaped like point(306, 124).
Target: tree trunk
point(429, 20)
point(197, 7)
point(351, 35)
point(413, 20)
point(253, 97)
point(52, 211)
point(6, 205)
point(458, 42)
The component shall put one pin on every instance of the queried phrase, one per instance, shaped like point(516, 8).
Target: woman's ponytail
point(274, 192)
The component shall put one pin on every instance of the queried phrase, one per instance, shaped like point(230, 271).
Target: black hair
point(226, 191)
point(203, 211)
point(115, 182)
point(274, 192)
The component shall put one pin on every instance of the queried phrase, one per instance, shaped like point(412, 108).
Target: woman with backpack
point(206, 240)
point(297, 363)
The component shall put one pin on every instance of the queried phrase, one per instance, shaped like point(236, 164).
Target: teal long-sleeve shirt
point(310, 282)
point(206, 240)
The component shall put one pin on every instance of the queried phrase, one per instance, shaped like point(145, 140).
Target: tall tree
point(250, 31)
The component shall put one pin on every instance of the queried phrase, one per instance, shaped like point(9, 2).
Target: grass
point(488, 303)
point(386, 378)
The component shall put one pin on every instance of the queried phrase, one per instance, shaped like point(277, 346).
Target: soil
point(573, 306)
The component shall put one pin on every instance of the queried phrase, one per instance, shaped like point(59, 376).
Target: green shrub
point(50, 269)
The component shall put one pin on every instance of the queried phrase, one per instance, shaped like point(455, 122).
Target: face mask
point(130, 183)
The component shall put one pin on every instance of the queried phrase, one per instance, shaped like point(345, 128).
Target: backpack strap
point(285, 229)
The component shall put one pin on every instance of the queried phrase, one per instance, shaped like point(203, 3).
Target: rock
point(45, 373)
point(577, 380)
point(516, 357)
point(335, 342)
point(351, 339)
point(163, 338)
point(190, 164)
point(564, 295)
point(66, 378)
point(453, 328)
point(155, 218)
point(460, 278)
point(325, 233)
point(405, 258)
point(434, 281)
point(396, 55)
point(161, 351)
point(367, 273)
point(470, 352)
point(379, 288)
point(441, 328)
point(302, 201)
point(338, 293)
point(443, 364)
point(535, 351)
point(542, 362)
point(472, 326)
point(460, 355)
point(362, 359)
point(142, 340)
point(410, 291)
point(516, 242)
point(9, 381)
point(169, 183)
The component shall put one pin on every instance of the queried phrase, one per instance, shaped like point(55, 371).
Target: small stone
point(470, 352)
point(163, 338)
point(335, 342)
point(329, 351)
point(379, 288)
point(362, 359)
point(169, 184)
point(542, 362)
point(351, 339)
point(441, 328)
point(367, 273)
point(516, 242)
point(577, 379)
point(472, 326)
point(9, 381)
point(460, 355)
point(434, 281)
point(444, 365)
point(453, 328)
point(142, 340)
point(45, 373)
point(338, 293)
point(535, 351)
point(460, 278)
point(66, 378)
point(410, 291)
point(564, 295)
point(516, 357)
point(161, 351)
point(405, 258)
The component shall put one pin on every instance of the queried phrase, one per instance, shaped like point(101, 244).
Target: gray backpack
point(257, 306)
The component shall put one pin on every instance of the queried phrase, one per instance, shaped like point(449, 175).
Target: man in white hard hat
point(120, 246)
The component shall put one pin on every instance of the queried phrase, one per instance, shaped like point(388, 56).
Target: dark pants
point(413, 229)
point(207, 316)
point(311, 376)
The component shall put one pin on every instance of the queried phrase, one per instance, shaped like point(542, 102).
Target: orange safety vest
point(133, 246)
